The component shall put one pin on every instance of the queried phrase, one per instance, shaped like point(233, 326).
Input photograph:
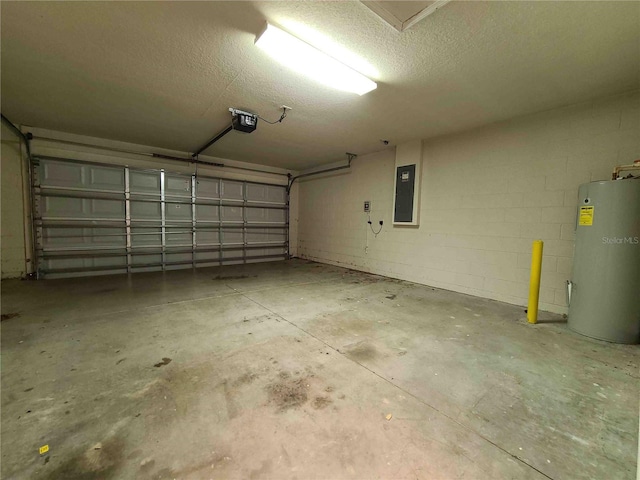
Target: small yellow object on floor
point(44, 449)
point(388, 417)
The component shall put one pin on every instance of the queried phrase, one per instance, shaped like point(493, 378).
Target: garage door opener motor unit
point(243, 121)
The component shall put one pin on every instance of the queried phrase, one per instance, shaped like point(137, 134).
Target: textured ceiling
point(164, 74)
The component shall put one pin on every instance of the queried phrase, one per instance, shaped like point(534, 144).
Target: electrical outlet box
point(367, 206)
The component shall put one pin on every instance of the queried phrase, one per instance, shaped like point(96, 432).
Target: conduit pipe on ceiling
point(158, 155)
point(27, 199)
point(350, 157)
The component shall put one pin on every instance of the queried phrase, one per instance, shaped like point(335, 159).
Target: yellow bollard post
point(534, 281)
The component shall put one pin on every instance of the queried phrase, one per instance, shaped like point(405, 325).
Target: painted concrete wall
point(12, 251)
point(486, 195)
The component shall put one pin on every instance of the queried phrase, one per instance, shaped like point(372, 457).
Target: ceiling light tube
point(308, 60)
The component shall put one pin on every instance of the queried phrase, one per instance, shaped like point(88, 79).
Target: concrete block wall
point(12, 252)
point(486, 195)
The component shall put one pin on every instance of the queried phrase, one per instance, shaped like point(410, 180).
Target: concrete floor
point(290, 370)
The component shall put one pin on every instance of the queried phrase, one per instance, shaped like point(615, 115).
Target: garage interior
point(221, 261)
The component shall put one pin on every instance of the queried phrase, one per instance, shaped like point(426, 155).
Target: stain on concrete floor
point(165, 361)
point(288, 393)
point(95, 463)
point(361, 351)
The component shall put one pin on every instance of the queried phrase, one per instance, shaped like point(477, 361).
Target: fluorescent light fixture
point(308, 60)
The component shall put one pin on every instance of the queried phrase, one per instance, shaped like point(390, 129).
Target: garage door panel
point(207, 213)
point(144, 182)
point(232, 190)
point(110, 179)
point(106, 208)
point(207, 238)
point(178, 212)
point(139, 260)
point(86, 263)
point(232, 253)
point(179, 238)
point(232, 214)
point(83, 237)
point(265, 252)
point(207, 256)
point(79, 208)
point(207, 188)
point(266, 215)
point(146, 210)
point(62, 207)
point(146, 237)
point(92, 219)
point(232, 237)
point(266, 193)
point(69, 175)
point(185, 258)
point(59, 174)
point(177, 186)
point(266, 235)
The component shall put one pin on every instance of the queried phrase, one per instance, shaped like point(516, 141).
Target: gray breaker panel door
point(93, 219)
point(405, 181)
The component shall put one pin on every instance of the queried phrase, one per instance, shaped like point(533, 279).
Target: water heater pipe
point(534, 281)
point(616, 171)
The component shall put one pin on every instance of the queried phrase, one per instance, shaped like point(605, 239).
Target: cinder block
point(524, 261)
point(545, 161)
point(560, 297)
point(564, 265)
point(523, 215)
point(543, 231)
point(568, 231)
point(549, 263)
point(558, 214)
point(630, 119)
point(547, 295)
point(544, 199)
point(559, 248)
point(489, 200)
point(507, 288)
point(520, 183)
point(470, 281)
point(503, 259)
point(550, 279)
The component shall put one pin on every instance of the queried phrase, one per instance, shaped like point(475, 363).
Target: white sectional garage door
point(95, 219)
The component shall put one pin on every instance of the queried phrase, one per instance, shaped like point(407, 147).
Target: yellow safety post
point(534, 281)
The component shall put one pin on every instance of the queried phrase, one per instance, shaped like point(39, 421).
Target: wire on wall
point(375, 234)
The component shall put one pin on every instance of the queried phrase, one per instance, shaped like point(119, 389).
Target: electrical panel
point(405, 186)
point(407, 181)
